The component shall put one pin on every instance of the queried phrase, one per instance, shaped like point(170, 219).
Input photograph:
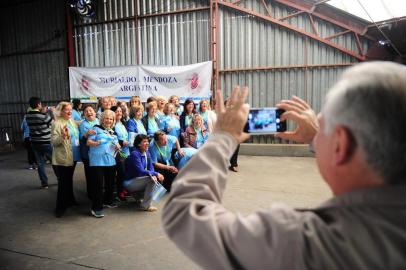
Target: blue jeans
point(42, 152)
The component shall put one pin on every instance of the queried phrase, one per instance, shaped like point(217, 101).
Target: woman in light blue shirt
point(161, 102)
point(76, 112)
point(174, 99)
point(122, 136)
point(135, 125)
point(186, 117)
point(85, 130)
point(169, 122)
point(151, 121)
point(103, 147)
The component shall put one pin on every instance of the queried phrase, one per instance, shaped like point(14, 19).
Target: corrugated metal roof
point(372, 10)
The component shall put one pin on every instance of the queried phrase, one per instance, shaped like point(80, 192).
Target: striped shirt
point(40, 127)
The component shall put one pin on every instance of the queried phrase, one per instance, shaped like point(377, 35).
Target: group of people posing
point(125, 151)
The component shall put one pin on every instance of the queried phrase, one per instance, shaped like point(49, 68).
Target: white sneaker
point(98, 214)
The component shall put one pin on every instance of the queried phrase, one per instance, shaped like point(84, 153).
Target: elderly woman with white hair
point(169, 122)
point(65, 154)
point(103, 147)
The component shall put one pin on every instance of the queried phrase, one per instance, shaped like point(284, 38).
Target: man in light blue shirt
point(76, 112)
point(161, 149)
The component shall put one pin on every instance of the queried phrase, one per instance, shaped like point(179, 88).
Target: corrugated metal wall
point(32, 58)
point(167, 32)
point(247, 42)
point(176, 39)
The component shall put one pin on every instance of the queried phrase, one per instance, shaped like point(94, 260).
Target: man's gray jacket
point(364, 229)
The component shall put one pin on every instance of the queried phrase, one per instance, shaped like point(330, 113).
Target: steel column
point(217, 47)
point(137, 45)
point(69, 37)
point(214, 49)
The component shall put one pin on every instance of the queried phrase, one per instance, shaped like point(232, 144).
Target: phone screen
point(265, 121)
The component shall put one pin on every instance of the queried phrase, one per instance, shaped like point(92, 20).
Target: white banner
point(191, 81)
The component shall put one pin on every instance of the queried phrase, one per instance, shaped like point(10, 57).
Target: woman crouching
point(140, 174)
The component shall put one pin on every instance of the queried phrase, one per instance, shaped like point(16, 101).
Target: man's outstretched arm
point(209, 234)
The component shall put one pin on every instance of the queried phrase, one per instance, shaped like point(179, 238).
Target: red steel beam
point(268, 9)
point(293, 28)
point(393, 20)
point(270, 68)
point(290, 15)
point(338, 34)
point(313, 25)
point(306, 64)
point(358, 42)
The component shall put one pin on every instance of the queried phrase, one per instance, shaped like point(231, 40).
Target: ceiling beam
point(330, 17)
point(293, 28)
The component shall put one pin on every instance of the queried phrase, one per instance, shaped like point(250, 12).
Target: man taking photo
point(360, 145)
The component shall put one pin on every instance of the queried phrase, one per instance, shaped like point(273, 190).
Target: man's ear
point(344, 145)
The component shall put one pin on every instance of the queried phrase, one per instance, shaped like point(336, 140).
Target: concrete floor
point(32, 238)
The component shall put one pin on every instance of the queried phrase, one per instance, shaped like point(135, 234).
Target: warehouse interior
point(277, 48)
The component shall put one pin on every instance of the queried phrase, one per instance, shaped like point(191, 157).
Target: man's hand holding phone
point(263, 121)
point(297, 110)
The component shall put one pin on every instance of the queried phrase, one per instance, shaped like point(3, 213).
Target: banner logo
point(194, 81)
point(85, 83)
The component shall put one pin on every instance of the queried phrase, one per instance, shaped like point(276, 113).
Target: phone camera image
point(265, 121)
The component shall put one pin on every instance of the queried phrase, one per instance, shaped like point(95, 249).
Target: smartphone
point(265, 121)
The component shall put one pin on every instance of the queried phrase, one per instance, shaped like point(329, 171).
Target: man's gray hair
point(370, 100)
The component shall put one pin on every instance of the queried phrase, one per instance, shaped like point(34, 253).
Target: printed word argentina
point(142, 87)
